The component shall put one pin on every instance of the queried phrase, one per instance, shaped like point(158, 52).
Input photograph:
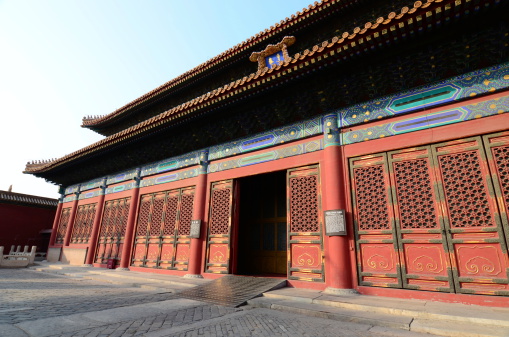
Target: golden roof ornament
point(274, 54)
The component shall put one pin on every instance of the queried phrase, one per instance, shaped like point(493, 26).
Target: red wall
point(20, 225)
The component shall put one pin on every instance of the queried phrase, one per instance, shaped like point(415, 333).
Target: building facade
point(25, 220)
point(356, 145)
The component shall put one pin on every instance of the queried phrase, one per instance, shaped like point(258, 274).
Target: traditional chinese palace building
point(355, 145)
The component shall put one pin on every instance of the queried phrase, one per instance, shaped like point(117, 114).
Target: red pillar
point(70, 224)
point(194, 267)
point(95, 229)
point(55, 222)
point(131, 221)
point(337, 258)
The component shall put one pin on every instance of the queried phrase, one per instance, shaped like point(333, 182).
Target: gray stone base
point(122, 269)
point(193, 276)
point(87, 265)
point(339, 292)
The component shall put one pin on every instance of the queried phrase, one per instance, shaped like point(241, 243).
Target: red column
point(58, 214)
point(194, 267)
point(131, 221)
point(95, 229)
point(70, 224)
point(337, 258)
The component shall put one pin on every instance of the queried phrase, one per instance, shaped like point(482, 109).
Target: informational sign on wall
point(195, 229)
point(335, 222)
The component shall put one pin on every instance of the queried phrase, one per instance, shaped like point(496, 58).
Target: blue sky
point(61, 60)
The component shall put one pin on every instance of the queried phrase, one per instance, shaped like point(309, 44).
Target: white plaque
point(335, 222)
point(195, 229)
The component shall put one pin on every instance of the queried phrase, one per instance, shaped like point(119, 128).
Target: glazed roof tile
point(307, 12)
point(418, 17)
point(27, 199)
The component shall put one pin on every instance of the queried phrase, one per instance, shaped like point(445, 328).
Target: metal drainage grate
point(231, 290)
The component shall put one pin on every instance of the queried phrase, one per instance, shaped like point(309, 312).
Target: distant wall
point(21, 225)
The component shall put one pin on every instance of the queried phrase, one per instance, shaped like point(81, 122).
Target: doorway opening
point(262, 225)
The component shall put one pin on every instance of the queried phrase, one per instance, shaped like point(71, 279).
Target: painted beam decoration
point(170, 178)
point(285, 152)
point(92, 194)
point(122, 176)
point(171, 164)
point(121, 188)
point(460, 87)
point(467, 112)
point(72, 189)
point(91, 184)
point(267, 139)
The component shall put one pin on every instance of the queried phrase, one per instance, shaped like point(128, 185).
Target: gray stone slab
point(457, 329)
point(467, 313)
point(7, 330)
point(63, 324)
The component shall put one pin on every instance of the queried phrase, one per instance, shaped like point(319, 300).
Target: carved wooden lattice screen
point(497, 148)
point(447, 230)
point(219, 229)
point(424, 255)
point(473, 223)
point(112, 231)
point(305, 246)
point(163, 229)
point(62, 225)
point(377, 254)
point(83, 223)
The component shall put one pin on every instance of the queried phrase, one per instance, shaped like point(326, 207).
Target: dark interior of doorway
point(262, 225)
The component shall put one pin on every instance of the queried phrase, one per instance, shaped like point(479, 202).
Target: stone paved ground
point(28, 295)
point(40, 304)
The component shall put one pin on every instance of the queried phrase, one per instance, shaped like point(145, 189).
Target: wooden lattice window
point(83, 223)
point(62, 225)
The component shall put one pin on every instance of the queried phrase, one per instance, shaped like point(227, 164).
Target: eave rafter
point(385, 30)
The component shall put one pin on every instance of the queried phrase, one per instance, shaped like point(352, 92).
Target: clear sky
point(61, 60)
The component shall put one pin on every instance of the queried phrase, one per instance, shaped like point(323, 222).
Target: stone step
point(416, 316)
point(334, 313)
point(457, 329)
point(426, 310)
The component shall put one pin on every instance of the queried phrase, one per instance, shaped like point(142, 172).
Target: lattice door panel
point(497, 150)
point(183, 230)
point(480, 261)
point(377, 248)
point(112, 230)
point(305, 246)
point(424, 254)
point(62, 225)
point(162, 235)
point(83, 223)
point(219, 229)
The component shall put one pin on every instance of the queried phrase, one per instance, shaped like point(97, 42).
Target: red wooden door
point(83, 223)
point(473, 223)
point(62, 225)
point(162, 233)
point(219, 237)
point(377, 248)
point(112, 231)
point(450, 211)
point(424, 256)
point(305, 246)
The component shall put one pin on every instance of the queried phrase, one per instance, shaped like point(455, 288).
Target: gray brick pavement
point(27, 295)
point(72, 307)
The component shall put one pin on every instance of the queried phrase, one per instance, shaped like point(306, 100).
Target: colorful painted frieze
point(460, 87)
